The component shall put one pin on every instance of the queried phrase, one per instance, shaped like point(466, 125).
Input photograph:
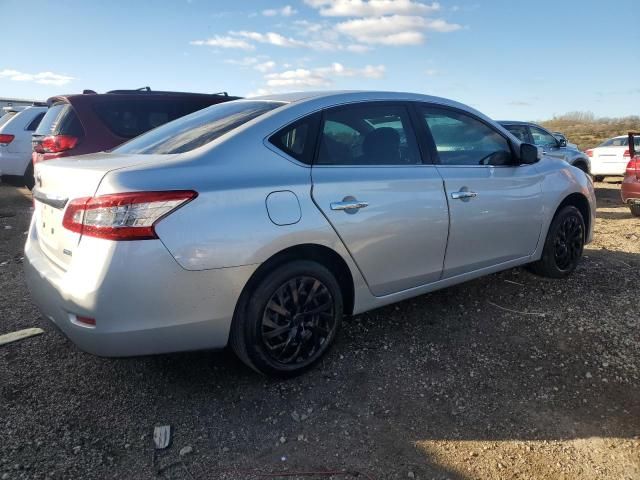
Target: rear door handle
point(462, 195)
point(348, 205)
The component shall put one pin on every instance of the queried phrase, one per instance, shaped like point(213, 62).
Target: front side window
point(542, 138)
point(372, 134)
point(197, 129)
point(463, 140)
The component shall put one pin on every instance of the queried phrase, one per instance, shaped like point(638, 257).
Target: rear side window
point(368, 134)
point(6, 117)
point(60, 119)
point(198, 128)
point(35, 122)
point(298, 139)
point(130, 118)
point(519, 131)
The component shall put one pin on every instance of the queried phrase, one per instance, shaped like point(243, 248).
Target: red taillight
point(589, 153)
point(55, 144)
point(626, 153)
point(633, 167)
point(123, 216)
point(6, 138)
point(91, 322)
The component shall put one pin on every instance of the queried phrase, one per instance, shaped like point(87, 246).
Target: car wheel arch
point(582, 165)
point(321, 254)
point(579, 201)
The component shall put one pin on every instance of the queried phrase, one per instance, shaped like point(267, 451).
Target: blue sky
point(509, 59)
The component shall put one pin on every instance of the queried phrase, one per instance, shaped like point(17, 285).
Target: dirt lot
point(447, 385)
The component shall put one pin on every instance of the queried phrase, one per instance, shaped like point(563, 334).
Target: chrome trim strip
point(51, 200)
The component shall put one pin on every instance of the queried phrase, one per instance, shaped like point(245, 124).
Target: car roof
point(515, 122)
point(89, 95)
point(345, 96)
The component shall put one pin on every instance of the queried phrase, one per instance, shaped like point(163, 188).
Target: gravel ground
point(447, 385)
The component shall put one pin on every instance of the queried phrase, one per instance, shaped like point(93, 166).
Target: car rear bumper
point(143, 302)
point(630, 189)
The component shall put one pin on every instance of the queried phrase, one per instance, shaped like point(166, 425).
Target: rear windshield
point(197, 129)
point(6, 117)
point(60, 119)
point(130, 118)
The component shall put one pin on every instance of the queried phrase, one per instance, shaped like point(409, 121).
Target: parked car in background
point(562, 138)
point(91, 122)
point(261, 222)
point(15, 142)
point(610, 158)
point(552, 147)
point(630, 189)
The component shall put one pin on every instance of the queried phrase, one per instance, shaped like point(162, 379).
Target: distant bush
point(587, 131)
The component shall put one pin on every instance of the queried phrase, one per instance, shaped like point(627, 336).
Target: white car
point(16, 127)
point(610, 158)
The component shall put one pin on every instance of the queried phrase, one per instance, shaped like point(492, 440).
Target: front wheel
point(635, 209)
point(289, 319)
point(563, 246)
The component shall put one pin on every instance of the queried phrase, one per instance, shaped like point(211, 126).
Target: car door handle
point(462, 195)
point(348, 205)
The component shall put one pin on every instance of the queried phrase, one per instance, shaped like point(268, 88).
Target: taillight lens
point(626, 153)
point(123, 216)
point(6, 139)
point(633, 167)
point(55, 144)
point(589, 153)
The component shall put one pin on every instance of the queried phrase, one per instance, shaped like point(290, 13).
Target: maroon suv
point(91, 122)
point(630, 189)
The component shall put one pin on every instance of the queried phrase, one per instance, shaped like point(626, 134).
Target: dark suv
point(92, 122)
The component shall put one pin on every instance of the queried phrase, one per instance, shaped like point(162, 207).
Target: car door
point(549, 143)
point(385, 203)
point(495, 205)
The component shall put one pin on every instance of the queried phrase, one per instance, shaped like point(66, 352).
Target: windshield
point(197, 129)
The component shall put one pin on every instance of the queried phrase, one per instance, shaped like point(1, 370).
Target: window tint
point(6, 117)
point(519, 131)
point(60, 119)
point(35, 122)
point(130, 118)
point(618, 142)
point(198, 128)
point(463, 140)
point(298, 139)
point(542, 138)
point(374, 134)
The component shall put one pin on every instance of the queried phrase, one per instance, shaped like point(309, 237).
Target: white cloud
point(320, 77)
point(393, 30)
point(224, 42)
point(43, 78)
point(271, 38)
point(285, 11)
point(265, 66)
point(371, 8)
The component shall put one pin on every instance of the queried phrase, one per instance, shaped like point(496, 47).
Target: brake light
point(626, 153)
point(589, 153)
point(55, 144)
point(123, 216)
point(6, 138)
point(633, 167)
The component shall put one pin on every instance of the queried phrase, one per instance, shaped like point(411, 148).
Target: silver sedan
point(260, 223)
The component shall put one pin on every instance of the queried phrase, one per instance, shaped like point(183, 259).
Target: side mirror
point(562, 142)
point(529, 154)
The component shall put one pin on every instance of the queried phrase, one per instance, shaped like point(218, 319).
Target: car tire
point(635, 209)
point(598, 178)
point(28, 178)
point(582, 166)
point(274, 331)
point(563, 246)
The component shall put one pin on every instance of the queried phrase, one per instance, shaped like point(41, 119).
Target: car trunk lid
point(60, 181)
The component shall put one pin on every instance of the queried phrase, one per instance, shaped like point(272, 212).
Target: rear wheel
point(598, 178)
point(563, 246)
point(582, 166)
point(289, 320)
point(29, 181)
point(635, 209)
